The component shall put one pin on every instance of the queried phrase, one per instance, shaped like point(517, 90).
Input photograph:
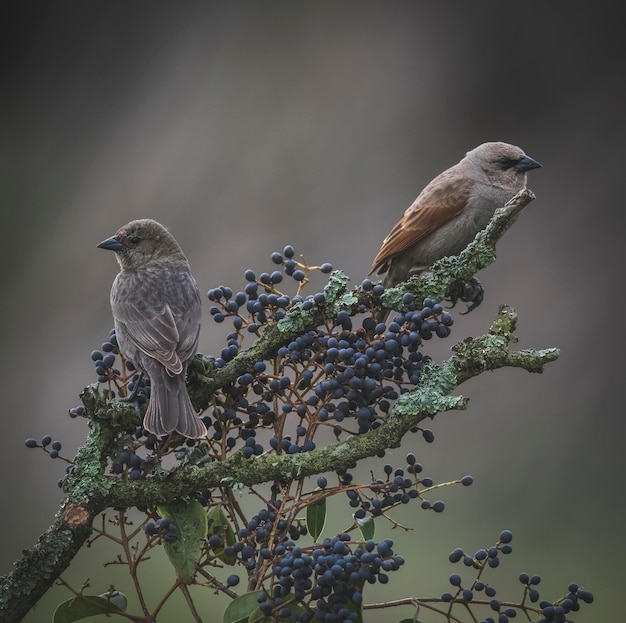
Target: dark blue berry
point(455, 579)
point(428, 435)
point(96, 355)
point(215, 541)
point(232, 580)
point(456, 555)
point(506, 536)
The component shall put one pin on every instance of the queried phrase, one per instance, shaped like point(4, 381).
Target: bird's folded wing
point(154, 332)
point(442, 200)
point(189, 332)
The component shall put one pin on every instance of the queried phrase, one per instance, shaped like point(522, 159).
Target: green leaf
point(116, 598)
point(218, 524)
point(240, 609)
point(258, 617)
point(83, 607)
point(190, 521)
point(316, 518)
point(367, 527)
point(245, 609)
point(358, 608)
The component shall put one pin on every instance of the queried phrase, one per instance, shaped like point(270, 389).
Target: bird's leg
point(471, 292)
point(136, 394)
point(137, 389)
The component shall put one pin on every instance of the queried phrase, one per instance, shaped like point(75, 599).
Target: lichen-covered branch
point(41, 565)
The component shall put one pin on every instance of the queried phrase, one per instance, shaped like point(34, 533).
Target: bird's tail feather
point(170, 410)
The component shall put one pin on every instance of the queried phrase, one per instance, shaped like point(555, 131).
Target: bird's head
point(141, 243)
point(502, 161)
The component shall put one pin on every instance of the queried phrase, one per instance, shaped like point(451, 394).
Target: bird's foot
point(136, 389)
point(471, 292)
point(136, 393)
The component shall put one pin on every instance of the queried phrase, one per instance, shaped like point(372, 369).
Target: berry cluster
point(339, 375)
point(256, 540)
point(416, 323)
point(398, 487)
point(273, 530)
point(482, 557)
point(53, 448)
point(557, 612)
point(251, 309)
point(269, 521)
point(327, 580)
point(124, 381)
point(129, 464)
point(162, 528)
point(468, 594)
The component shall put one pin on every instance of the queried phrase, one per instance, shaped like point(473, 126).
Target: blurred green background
point(244, 126)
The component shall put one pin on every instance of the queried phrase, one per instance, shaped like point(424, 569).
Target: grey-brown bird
point(452, 209)
point(157, 309)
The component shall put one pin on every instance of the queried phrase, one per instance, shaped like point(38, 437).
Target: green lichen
point(432, 395)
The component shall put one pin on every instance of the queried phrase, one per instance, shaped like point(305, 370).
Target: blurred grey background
point(244, 126)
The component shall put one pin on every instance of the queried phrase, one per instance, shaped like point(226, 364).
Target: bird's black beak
point(526, 164)
point(111, 244)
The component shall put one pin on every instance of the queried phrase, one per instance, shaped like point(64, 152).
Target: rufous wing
point(442, 200)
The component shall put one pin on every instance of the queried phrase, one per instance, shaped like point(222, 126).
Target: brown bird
point(157, 309)
point(452, 209)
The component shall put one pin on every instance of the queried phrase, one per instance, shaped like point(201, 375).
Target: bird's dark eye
point(505, 163)
point(135, 240)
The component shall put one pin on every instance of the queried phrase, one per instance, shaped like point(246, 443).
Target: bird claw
point(471, 292)
point(134, 393)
